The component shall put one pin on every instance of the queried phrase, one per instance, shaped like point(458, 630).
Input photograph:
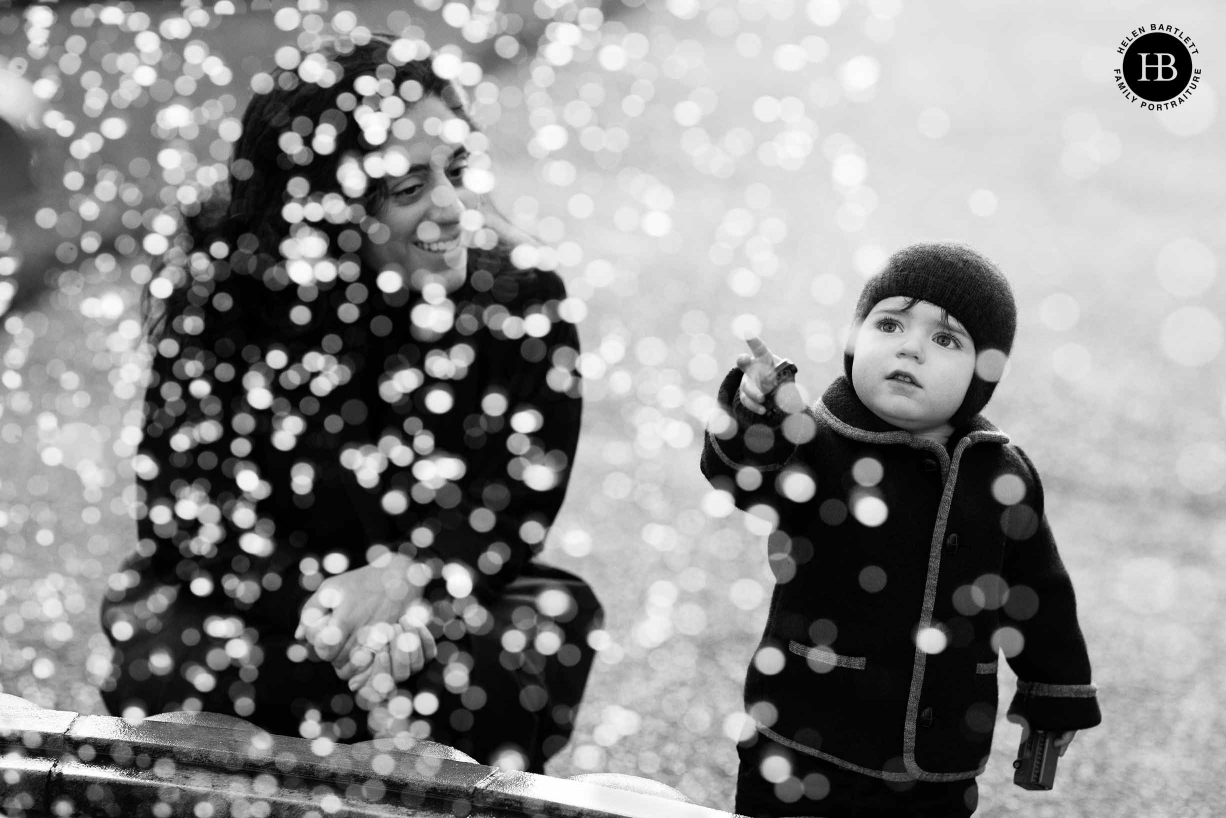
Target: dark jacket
point(881, 536)
point(271, 460)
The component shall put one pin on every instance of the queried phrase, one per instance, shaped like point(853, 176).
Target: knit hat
point(967, 285)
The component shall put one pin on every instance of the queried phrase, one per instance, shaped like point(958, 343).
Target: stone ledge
point(165, 766)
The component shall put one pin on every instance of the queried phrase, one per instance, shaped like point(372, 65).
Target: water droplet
point(1192, 336)
point(1147, 585)
point(991, 365)
point(824, 12)
point(1201, 467)
point(769, 660)
point(931, 640)
point(870, 510)
point(1008, 489)
point(873, 578)
point(1072, 362)
point(1194, 116)
point(776, 768)
point(982, 203)
point(933, 123)
point(1186, 267)
point(867, 471)
point(1008, 641)
point(1060, 311)
point(746, 594)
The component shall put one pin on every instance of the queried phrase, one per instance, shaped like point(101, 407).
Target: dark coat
point(882, 536)
point(452, 445)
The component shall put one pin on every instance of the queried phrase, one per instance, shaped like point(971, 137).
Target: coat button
point(951, 544)
point(926, 718)
point(929, 464)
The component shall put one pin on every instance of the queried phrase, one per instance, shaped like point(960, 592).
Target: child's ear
point(850, 331)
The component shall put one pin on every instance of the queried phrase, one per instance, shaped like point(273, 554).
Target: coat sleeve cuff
point(753, 440)
point(1053, 707)
point(729, 398)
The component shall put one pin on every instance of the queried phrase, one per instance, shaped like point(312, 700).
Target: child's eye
point(886, 324)
point(948, 341)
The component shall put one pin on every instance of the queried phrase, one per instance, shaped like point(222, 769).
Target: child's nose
point(912, 347)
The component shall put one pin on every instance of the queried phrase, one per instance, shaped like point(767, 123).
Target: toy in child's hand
point(1035, 767)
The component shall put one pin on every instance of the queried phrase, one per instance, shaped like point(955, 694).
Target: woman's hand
point(340, 616)
point(408, 647)
point(413, 645)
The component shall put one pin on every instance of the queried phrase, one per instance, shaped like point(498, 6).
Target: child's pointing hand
point(759, 379)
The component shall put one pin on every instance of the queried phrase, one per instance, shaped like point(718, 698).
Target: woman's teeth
point(438, 246)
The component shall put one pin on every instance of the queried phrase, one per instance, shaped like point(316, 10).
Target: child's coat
point(893, 559)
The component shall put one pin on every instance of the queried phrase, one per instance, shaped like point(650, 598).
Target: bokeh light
point(1195, 116)
point(1186, 267)
point(698, 173)
point(1072, 362)
point(1202, 467)
point(1192, 336)
point(983, 203)
point(1060, 311)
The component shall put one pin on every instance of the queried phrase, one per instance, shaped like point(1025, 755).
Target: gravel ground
point(1003, 129)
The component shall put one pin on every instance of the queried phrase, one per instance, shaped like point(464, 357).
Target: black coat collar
point(852, 418)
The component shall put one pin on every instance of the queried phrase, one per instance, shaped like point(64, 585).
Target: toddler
point(910, 551)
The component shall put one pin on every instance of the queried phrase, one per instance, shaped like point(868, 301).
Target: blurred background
point(701, 170)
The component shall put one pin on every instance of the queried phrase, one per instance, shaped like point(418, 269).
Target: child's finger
point(751, 404)
point(328, 640)
point(743, 361)
point(378, 686)
point(750, 389)
point(357, 661)
point(362, 678)
point(374, 636)
point(313, 618)
point(759, 349)
point(429, 648)
point(406, 655)
point(383, 681)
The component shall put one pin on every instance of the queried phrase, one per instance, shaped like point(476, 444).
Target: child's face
point(912, 367)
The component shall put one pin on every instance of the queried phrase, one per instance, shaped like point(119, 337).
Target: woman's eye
point(457, 170)
point(407, 191)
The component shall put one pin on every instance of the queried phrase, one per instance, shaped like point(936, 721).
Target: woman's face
point(424, 204)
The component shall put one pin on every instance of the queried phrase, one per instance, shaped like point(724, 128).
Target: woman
point(359, 426)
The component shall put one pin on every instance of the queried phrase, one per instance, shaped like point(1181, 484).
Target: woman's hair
point(230, 264)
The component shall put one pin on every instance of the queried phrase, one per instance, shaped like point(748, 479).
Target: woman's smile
point(424, 210)
point(438, 246)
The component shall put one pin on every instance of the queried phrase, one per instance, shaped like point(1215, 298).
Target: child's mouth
point(902, 377)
